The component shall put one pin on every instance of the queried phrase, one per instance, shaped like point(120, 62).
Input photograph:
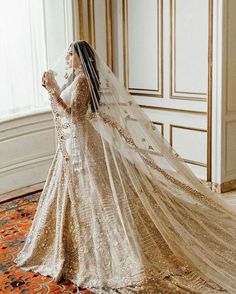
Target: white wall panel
point(231, 148)
point(143, 45)
point(100, 28)
point(27, 146)
point(228, 96)
point(231, 56)
point(190, 143)
point(189, 48)
point(166, 57)
point(198, 170)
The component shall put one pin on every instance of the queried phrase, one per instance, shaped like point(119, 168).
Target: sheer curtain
point(30, 31)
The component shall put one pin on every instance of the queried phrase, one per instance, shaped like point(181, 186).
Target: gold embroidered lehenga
point(120, 212)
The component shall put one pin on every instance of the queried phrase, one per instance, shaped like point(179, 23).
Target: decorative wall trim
point(109, 33)
point(173, 58)
point(209, 100)
point(22, 192)
point(224, 187)
point(13, 127)
point(109, 29)
point(173, 109)
point(81, 19)
point(137, 91)
point(32, 131)
point(29, 162)
point(227, 170)
point(228, 111)
point(91, 23)
point(172, 126)
point(24, 161)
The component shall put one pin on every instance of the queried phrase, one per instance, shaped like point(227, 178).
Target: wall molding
point(81, 19)
point(227, 171)
point(228, 111)
point(25, 162)
point(172, 89)
point(109, 29)
point(91, 23)
point(172, 126)
point(224, 187)
point(172, 109)
point(137, 91)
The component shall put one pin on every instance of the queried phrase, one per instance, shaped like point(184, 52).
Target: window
point(33, 34)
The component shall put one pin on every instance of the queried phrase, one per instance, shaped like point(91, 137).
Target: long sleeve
point(80, 98)
point(55, 94)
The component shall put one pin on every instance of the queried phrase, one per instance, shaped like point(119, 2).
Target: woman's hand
point(49, 81)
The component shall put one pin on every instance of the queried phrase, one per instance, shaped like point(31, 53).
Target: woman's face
point(72, 58)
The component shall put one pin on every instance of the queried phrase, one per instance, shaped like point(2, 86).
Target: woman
point(120, 211)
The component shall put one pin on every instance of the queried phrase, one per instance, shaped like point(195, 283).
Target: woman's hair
point(88, 63)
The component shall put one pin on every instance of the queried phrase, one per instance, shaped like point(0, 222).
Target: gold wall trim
point(109, 29)
point(173, 50)
point(226, 126)
point(149, 93)
point(91, 23)
point(144, 92)
point(224, 187)
point(173, 109)
point(209, 100)
point(81, 19)
point(198, 163)
point(124, 31)
point(227, 53)
point(109, 34)
point(172, 126)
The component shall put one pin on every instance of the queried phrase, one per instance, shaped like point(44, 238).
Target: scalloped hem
point(150, 285)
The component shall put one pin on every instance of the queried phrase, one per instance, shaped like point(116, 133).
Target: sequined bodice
point(77, 96)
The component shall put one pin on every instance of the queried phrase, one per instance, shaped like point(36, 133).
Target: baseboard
point(224, 187)
point(21, 192)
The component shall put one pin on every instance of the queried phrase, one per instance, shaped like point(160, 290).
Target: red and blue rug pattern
point(16, 217)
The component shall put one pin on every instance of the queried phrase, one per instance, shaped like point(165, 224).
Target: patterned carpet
point(15, 220)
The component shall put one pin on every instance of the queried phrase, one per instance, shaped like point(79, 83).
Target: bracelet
point(63, 104)
point(59, 100)
point(53, 91)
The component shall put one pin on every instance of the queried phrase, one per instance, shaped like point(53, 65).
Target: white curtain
point(29, 31)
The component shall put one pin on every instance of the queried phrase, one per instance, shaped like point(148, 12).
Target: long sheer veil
point(198, 226)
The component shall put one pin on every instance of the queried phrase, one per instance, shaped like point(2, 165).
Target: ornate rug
point(15, 220)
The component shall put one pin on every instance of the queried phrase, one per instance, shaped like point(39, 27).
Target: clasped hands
point(49, 82)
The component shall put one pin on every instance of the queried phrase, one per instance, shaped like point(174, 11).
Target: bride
point(120, 212)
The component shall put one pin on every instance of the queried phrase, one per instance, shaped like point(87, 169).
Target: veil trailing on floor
point(198, 226)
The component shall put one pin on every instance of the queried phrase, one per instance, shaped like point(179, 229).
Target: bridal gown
point(77, 233)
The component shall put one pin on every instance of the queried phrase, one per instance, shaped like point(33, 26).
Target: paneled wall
point(166, 68)
point(27, 146)
point(180, 70)
point(229, 123)
point(160, 50)
point(224, 120)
